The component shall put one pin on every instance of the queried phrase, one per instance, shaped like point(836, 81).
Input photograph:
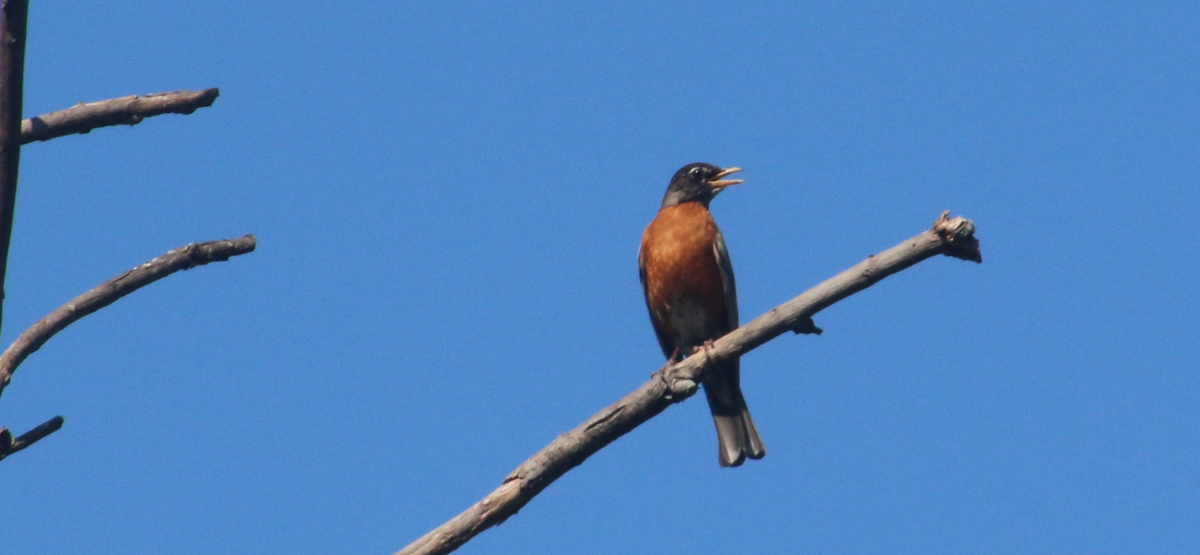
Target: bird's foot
point(705, 347)
point(674, 359)
point(676, 356)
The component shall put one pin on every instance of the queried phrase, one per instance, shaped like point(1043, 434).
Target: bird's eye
point(695, 173)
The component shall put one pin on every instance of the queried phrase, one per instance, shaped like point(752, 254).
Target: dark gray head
point(698, 182)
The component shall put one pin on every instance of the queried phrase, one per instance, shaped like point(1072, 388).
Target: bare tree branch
point(13, 17)
point(672, 384)
point(8, 445)
point(184, 258)
point(127, 110)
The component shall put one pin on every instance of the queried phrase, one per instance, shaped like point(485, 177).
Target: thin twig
point(672, 384)
point(8, 445)
point(127, 110)
point(184, 258)
point(13, 17)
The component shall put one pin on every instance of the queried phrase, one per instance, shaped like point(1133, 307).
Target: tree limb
point(672, 384)
point(13, 17)
point(127, 110)
point(8, 445)
point(184, 258)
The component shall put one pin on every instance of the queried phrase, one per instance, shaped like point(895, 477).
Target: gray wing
point(737, 438)
point(727, 279)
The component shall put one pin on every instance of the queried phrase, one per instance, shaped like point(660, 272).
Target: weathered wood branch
point(13, 17)
point(672, 384)
point(127, 110)
point(8, 445)
point(184, 258)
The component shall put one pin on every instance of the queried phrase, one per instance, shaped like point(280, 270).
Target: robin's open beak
point(716, 182)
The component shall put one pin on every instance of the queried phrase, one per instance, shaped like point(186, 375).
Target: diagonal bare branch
point(672, 384)
point(8, 445)
point(184, 258)
point(127, 110)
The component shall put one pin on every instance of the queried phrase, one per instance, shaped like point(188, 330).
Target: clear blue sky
point(448, 199)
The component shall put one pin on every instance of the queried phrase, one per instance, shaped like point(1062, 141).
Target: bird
point(688, 283)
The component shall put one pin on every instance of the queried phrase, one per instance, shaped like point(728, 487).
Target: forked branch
point(184, 258)
point(127, 110)
point(672, 384)
point(82, 118)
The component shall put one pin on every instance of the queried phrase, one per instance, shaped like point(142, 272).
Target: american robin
point(688, 282)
